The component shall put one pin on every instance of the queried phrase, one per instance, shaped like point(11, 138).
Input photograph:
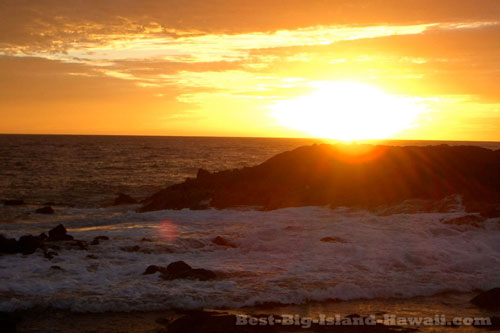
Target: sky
point(345, 69)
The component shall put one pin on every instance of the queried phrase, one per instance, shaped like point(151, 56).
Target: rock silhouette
point(341, 175)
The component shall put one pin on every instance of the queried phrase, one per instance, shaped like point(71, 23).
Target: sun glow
point(347, 111)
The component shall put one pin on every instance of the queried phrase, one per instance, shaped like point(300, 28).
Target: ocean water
point(279, 256)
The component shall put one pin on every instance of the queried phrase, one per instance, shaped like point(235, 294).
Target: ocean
point(278, 255)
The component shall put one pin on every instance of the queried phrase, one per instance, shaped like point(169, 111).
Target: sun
point(347, 111)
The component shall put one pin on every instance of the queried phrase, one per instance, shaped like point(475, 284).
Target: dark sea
point(279, 256)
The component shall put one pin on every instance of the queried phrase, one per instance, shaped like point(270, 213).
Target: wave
point(280, 257)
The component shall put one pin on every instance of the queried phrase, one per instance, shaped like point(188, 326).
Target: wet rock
point(181, 270)
point(471, 219)
point(45, 210)
point(202, 174)
point(59, 233)
point(124, 199)
point(178, 267)
point(43, 237)
point(28, 244)
point(8, 245)
point(152, 269)
point(13, 202)
point(330, 175)
point(50, 254)
point(332, 240)
point(488, 300)
point(91, 256)
point(96, 240)
point(223, 242)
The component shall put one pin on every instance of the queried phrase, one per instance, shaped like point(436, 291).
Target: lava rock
point(28, 244)
point(50, 254)
point(330, 175)
point(96, 240)
point(178, 267)
point(124, 199)
point(181, 270)
point(45, 210)
point(59, 233)
point(488, 300)
point(223, 242)
point(152, 269)
point(13, 202)
point(8, 245)
point(332, 240)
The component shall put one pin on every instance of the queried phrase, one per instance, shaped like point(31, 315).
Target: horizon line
point(242, 137)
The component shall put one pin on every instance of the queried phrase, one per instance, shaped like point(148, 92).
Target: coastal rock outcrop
point(341, 175)
point(181, 270)
point(45, 210)
point(59, 233)
point(124, 199)
point(488, 300)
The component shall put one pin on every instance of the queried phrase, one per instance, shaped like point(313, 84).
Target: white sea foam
point(279, 258)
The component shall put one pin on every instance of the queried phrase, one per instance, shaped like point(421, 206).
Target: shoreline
point(451, 305)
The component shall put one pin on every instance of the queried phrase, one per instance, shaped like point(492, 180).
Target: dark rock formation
point(178, 267)
point(14, 202)
point(96, 240)
point(223, 242)
point(332, 240)
point(28, 244)
point(45, 210)
point(358, 175)
point(152, 269)
point(488, 300)
point(8, 245)
point(50, 254)
point(59, 233)
point(181, 270)
point(124, 199)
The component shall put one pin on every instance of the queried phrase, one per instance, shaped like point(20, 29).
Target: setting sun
point(347, 111)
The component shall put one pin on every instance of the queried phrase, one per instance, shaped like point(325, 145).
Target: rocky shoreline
point(360, 176)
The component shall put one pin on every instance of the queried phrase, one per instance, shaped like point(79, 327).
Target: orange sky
point(225, 68)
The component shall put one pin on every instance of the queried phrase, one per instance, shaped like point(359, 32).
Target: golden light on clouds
point(359, 69)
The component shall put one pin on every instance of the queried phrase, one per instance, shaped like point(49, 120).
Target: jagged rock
point(223, 242)
point(181, 270)
point(321, 175)
point(178, 267)
point(28, 244)
point(59, 233)
point(8, 245)
point(50, 254)
point(152, 269)
point(45, 210)
point(332, 240)
point(96, 240)
point(489, 299)
point(472, 220)
point(14, 202)
point(124, 199)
